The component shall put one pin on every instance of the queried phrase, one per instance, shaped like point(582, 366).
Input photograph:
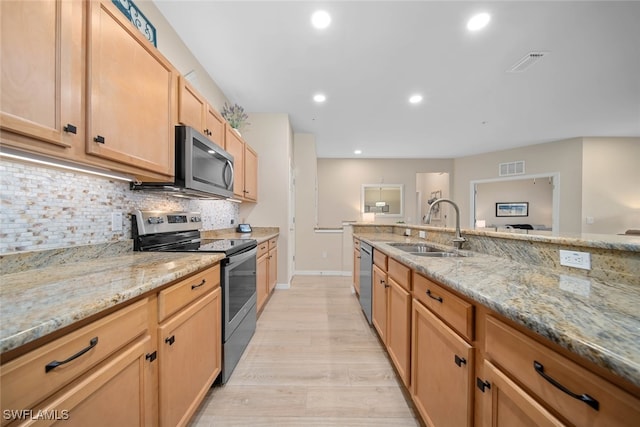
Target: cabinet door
point(250, 174)
point(189, 356)
point(273, 268)
point(262, 280)
point(442, 371)
point(356, 270)
point(504, 404)
point(117, 393)
point(379, 288)
point(399, 329)
point(235, 147)
point(191, 106)
point(130, 94)
point(214, 126)
point(41, 44)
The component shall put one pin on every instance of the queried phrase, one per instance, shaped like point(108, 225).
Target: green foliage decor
point(235, 115)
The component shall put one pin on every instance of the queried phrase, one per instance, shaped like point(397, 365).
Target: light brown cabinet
point(130, 96)
point(266, 270)
point(356, 265)
point(94, 91)
point(195, 111)
point(245, 166)
point(399, 318)
point(379, 295)
point(82, 372)
point(442, 366)
point(250, 174)
point(41, 96)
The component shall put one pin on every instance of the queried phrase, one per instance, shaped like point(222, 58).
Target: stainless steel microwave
point(202, 168)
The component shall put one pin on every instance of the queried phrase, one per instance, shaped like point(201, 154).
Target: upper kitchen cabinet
point(130, 94)
point(245, 165)
point(41, 45)
point(194, 111)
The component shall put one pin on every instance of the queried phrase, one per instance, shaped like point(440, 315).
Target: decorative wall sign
point(512, 209)
point(133, 14)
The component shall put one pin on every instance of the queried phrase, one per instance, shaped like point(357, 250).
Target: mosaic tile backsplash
point(47, 208)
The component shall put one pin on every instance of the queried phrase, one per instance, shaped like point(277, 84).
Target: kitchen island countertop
point(592, 318)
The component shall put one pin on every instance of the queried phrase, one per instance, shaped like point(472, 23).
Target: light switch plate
point(116, 221)
point(422, 234)
point(575, 259)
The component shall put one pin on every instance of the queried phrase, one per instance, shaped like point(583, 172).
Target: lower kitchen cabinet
point(356, 265)
point(266, 270)
point(399, 329)
point(442, 371)
point(379, 294)
point(189, 356)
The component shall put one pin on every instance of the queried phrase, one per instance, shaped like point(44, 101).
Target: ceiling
point(266, 56)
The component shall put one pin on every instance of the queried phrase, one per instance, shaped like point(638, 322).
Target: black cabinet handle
point(583, 397)
point(430, 295)
point(55, 363)
point(197, 286)
point(99, 139)
point(170, 340)
point(482, 385)
point(460, 360)
point(151, 356)
point(69, 128)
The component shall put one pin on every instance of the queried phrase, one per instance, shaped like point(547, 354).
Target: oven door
point(239, 289)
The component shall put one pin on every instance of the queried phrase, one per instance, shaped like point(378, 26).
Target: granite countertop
point(597, 320)
point(37, 302)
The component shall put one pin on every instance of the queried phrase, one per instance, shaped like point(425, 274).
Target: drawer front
point(380, 259)
point(455, 311)
point(273, 243)
point(263, 248)
point(356, 244)
point(528, 362)
point(25, 381)
point(183, 293)
point(400, 273)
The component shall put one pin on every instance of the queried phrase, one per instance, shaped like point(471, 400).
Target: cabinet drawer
point(527, 360)
point(400, 273)
point(25, 381)
point(273, 243)
point(455, 311)
point(263, 248)
point(380, 259)
point(183, 293)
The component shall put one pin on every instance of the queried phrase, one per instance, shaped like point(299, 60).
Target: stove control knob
point(196, 219)
point(155, 220)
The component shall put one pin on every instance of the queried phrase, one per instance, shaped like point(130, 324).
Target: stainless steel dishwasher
point(366, 262)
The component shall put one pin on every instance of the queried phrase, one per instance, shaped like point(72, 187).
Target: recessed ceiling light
point(479, 21)
point(319, 97)
point(357, 152)
point(415, 99)
point(320, 19)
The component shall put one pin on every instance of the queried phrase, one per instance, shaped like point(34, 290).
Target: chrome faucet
point(458, 241)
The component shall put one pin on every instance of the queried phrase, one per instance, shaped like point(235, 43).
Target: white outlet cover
point(575, 259)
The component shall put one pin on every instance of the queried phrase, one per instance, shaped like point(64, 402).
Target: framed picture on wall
point(512, 209)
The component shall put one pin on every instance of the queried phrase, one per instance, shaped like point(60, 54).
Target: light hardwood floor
point(313, 361)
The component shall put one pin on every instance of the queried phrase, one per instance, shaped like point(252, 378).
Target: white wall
point(611, 185)
point(270, 136)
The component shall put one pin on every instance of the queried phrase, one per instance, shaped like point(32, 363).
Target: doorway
point(429, 187)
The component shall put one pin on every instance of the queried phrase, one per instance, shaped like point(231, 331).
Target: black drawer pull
point(69, 128)
point(151, 356)
point(55, 363)
point(197, 286)
point(583, 397)
point(460, 360)
point(99, 139)
point(170, 340)
point(482, 385)
point(430, 295)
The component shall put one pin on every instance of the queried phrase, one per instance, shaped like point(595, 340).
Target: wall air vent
point(527, 61)
point(511, 168)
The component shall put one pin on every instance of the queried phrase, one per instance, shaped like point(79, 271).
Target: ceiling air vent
point(511, 168)
point(527, 61)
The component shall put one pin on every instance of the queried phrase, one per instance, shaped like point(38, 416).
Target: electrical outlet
point(422, 234)
point(232, 221)
point(575, 259)
point(116, 221)
point(407, 232)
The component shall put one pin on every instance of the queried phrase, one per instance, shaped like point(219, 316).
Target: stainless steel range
point(179, 232)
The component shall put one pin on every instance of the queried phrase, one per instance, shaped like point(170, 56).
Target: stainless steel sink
point(421, 249)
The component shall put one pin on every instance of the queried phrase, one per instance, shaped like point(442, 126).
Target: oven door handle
point(241, 257)
point(228, 166)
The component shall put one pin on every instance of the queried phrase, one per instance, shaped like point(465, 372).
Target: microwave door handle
point(229, 184)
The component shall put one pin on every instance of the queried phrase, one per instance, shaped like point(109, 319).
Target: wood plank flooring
point(313, 361)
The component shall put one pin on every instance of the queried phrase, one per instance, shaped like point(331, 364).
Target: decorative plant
point(235, 115)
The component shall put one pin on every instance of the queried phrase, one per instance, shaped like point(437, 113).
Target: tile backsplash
point(48, 208)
